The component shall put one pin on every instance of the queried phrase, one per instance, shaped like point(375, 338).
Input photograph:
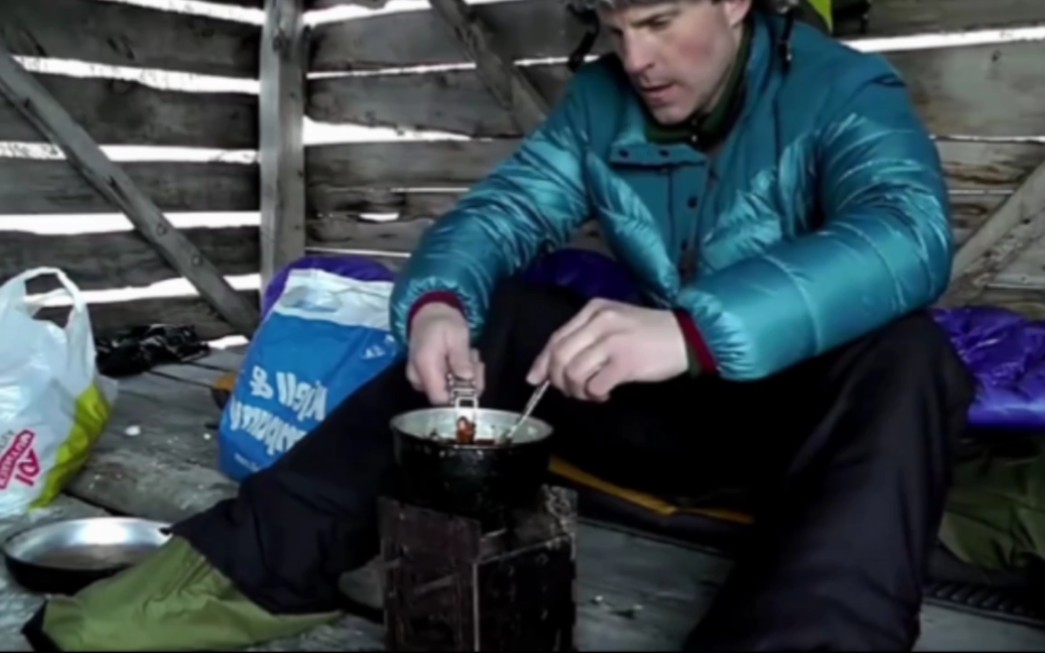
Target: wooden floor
point(635, 593)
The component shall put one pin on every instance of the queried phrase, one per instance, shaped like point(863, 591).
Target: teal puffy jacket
point(823, 216)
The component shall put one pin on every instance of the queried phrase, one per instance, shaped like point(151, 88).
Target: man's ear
point(736, 11)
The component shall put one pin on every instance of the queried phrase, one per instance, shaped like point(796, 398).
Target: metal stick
point(530, 405)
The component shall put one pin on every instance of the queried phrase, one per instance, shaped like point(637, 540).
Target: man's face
point(677, 53)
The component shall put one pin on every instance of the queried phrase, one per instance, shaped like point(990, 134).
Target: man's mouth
point(655, 92)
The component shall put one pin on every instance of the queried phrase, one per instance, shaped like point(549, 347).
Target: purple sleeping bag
point(1006, 353)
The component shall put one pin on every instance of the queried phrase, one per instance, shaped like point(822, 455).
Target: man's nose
point(635, 57)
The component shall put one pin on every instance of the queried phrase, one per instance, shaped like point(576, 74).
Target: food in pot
point(465, 434)
point(465, 431)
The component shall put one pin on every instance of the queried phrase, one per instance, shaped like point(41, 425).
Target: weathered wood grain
point(402, 237)
point(530, 29)
point(282, 150)
point(955, 90)
point(452, 101)
point(35, 186)
point(402, 164)
point(41, 109)
point(118, 112)
point(989, 165)
point(121, 34)
point(1000, 240)
point(984, 90)
point(512, 90)
point(109, 317)
point(121, 259)
point(336, 173)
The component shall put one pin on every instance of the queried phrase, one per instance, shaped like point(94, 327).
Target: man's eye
point(660, 24)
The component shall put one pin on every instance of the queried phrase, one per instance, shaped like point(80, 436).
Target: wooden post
point(1017, 223)
point(282, 153)
point(506, 82)
point(45, 113)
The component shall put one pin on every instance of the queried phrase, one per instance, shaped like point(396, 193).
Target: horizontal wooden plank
point(403, 236)
point(955, 90)
point(531, 29)
point(987, 165)
point(121, 34)
point(118, 112)
point(37, 186)
point(1028, 301)
point(335, 173)
point(121, 259)
point(984, 90)
point(407, 164)
point(110, 317)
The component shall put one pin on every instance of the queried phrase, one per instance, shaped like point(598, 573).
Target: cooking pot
point(481, 480)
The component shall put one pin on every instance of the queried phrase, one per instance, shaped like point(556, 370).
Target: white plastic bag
point(54, 405)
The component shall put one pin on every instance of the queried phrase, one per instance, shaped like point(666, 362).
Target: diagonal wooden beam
point(506, 82)
point(1013, 227)
point(41, 109)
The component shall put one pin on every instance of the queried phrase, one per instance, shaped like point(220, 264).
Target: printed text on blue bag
point(307, 400)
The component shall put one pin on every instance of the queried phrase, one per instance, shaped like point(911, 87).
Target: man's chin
point(667, 115)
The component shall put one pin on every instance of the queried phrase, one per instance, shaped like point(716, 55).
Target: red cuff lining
point(696, 341)
point(443, 296)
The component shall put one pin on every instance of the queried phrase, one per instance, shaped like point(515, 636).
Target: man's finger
point(603, 382)
point(583, 367)
point(411, 374)
point(539, 370)
point(480, 372)
point(564, 353)
point(431, 367)
point(461, 362)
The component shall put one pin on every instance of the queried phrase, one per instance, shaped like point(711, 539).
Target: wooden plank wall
point(118, 112)
point(365, 71)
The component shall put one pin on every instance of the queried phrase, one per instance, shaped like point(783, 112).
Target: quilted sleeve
point(884, 249)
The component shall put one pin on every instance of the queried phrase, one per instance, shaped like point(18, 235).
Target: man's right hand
point(439, 345)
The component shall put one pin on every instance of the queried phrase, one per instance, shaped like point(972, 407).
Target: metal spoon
point(530, 405)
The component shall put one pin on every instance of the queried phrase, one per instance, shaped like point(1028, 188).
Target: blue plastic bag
point(323, 336)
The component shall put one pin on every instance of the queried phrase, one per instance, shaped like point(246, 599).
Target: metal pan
point(63, 557)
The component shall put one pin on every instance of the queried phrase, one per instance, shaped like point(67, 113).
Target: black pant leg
point(838, 555)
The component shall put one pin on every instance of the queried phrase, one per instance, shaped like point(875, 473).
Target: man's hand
point(439, 344)
point(609, 343)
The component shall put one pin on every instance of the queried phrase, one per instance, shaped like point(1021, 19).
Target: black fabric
point(139, 349)
point(34, 634)
point(848, 456)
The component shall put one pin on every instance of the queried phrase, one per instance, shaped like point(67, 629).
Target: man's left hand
point(609, 343)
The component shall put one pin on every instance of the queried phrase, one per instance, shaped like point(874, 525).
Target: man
point(784, 213)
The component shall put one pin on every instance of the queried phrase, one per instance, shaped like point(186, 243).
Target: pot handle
point(463, 396)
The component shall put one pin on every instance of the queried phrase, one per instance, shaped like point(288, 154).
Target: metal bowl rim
point(451, 444)
point(9, 545)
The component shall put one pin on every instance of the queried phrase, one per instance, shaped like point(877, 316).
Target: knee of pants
point(923, 354)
